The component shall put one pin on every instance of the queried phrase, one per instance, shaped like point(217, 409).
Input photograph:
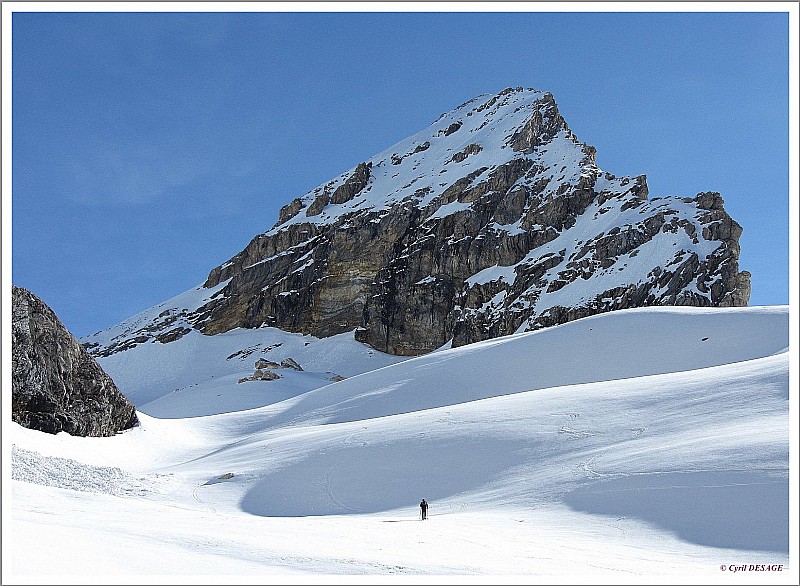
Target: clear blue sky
point(150, 147)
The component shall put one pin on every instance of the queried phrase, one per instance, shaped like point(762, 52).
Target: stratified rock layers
point(493, 220)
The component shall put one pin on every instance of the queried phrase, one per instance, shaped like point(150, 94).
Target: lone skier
point(424, 508)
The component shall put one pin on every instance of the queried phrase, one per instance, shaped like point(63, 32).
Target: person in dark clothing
point(424, 508)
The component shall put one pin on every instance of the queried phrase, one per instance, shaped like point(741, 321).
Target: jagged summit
point(495, 219)
point(472, 140)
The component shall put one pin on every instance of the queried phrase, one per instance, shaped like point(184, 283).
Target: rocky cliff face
point(493, 220)
point(56, 385)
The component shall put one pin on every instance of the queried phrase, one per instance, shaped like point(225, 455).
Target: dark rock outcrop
point(56, 385)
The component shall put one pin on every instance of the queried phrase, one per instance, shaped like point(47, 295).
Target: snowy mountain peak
point(470, 141)
point(495, 219)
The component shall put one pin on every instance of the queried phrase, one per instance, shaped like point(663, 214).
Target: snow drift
point(638, 443)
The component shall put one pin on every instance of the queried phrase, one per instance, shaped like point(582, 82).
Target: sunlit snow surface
point(630, 447)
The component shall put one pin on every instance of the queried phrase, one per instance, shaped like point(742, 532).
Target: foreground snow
point(629, 447)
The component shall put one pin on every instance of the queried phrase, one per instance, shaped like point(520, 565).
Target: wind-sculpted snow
point(659, 437)
point(589, 350)
point(634, 444)
point(707, 508)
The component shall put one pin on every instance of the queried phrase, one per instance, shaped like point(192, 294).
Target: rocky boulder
point(56, 385)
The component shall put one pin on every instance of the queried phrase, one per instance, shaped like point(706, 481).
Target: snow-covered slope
point(594, 349)
point(194, 374)
point(633, 445)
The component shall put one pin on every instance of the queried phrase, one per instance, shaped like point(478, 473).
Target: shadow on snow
point(737, 509)
point(357, 480)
